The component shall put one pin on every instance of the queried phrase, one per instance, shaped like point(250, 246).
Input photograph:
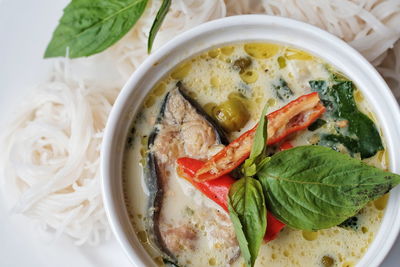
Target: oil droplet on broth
point(310, 236)
point(271, 102)
point(142, 235)
point(212, 262)
point(215, 82)
point(159, 261)
point(159, 89)
point(286, 253)
point(181, 71)
point(358, 96)
point(150, 100)
point(383, 156)
point(348, 264)
point(227, 50)
point(281, 62)
point(292, 53)
point(261, 50)
point(249, 76)
point(380, 203)
point(214, 53)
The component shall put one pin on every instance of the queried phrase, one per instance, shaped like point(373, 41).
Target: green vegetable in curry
point(360, 134)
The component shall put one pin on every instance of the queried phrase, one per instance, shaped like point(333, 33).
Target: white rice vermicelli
point(390, 70)
point(370, 26)
point(53, 156)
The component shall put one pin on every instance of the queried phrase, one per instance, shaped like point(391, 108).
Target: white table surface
point(25, 29)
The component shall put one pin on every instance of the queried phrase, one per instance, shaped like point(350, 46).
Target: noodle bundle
point(53, 151)
point(51, 158)
point(370, 26)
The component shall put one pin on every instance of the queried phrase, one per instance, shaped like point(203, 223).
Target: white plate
point(25, 29)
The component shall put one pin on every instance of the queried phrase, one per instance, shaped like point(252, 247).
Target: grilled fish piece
point(181, 222)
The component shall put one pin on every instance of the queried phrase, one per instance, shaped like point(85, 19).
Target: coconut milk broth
point(211, 78)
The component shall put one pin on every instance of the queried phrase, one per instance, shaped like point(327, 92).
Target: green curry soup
point(232, 84)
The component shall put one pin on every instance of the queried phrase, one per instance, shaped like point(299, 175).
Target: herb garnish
point(162, 12)
point(314, 187)
point(248, 214)
point(246, 200)
point(259, 146)
point(88, 27)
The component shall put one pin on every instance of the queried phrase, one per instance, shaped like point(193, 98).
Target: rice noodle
point(235, 7)
point(390, 70)
point(369, 26)
point(51, 150)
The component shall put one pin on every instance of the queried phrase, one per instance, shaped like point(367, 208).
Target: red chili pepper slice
point(295, 116)
point(285, 145)
point(218, 189)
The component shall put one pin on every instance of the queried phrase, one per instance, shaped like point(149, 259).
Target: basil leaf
point(314, 187)
point(88, 27)
point(340, 103)
point(248, 214)
point(259, 145)
point(316, 125)
point(162, 12)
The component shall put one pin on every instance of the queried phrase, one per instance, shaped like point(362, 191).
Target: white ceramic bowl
point(241, 29)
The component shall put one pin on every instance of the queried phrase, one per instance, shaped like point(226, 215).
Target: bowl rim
point(114, 211)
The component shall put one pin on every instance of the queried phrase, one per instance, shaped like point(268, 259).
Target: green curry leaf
point(162, 12)
point(88, 27)
point(248, 214)
point(314, 187)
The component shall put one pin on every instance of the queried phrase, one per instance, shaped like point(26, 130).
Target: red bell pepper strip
point(218, 190)
point(274, 227)
point(295, 116)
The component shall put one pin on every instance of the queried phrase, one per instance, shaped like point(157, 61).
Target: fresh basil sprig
point(88, 27)
point(246, 199)
point(259, 145)
point(248, 214)
point(162, 12)
point(314, 187)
